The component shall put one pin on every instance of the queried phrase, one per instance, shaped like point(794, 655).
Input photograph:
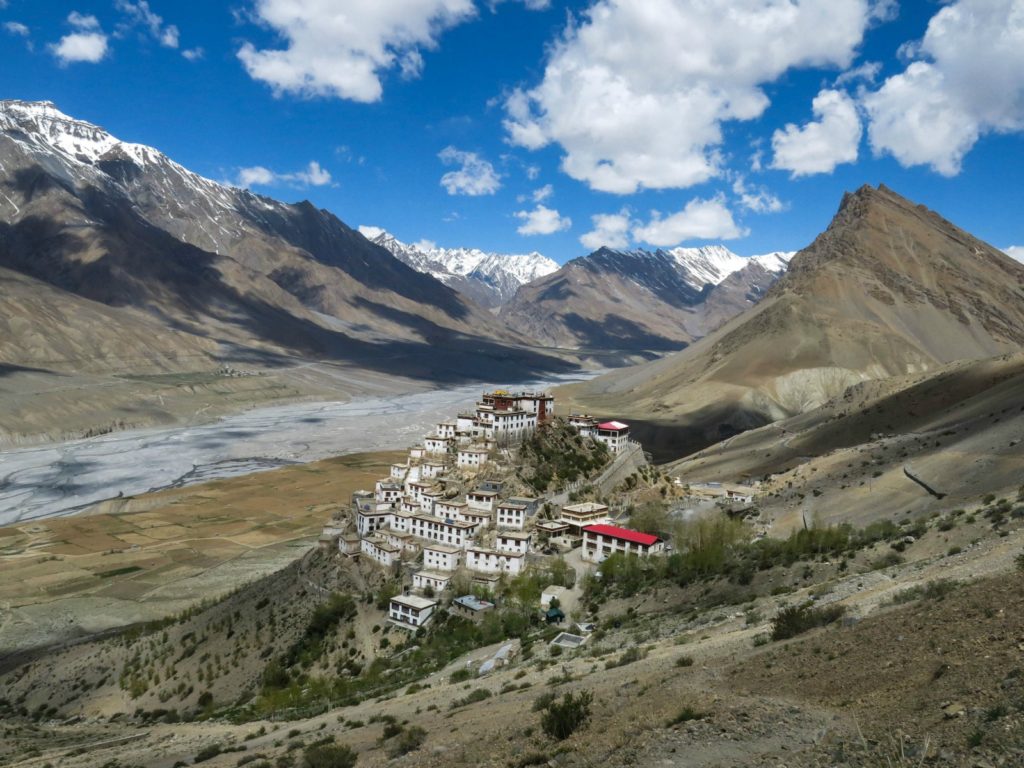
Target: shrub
point(798, 619)
point(933, 590)
point(561, 719)
point(628, 657)
point(329, 756)
point(208, 753)
point(461, 675)
point(684, 661)
point(543, 701)
point(1020, 562)
point(474, 696)
point(409, 740)
point(686, 714)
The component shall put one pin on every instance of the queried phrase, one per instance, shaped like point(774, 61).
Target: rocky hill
point(889, 289)
point(641, 300)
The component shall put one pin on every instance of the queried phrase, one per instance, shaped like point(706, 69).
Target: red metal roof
point(625, 534)
point(616, 426)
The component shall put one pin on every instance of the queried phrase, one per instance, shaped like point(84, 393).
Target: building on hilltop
point(434, 580)
point(411, 611)
point(584, 424)
point(471, 607)
point(578, 516)
point(485, 560)
point(614, 434)
point(602, 541)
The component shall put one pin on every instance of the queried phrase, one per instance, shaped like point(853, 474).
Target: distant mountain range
point(116, 258)
point(490, 279)
point(889, 289)
point(648, 300)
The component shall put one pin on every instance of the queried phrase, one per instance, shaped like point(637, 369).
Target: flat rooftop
point(473, 603)
point(414, 601)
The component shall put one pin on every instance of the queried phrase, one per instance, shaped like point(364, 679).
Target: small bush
point(543, 701)
point(208, 753)
point(461, 675)
point(561, 719)
point(409, 740)
point(798, 619)
point(474, 696)
point(684, 661)
point(329, 756)
point(933, 590)
point(628, 657)
point(686, 714)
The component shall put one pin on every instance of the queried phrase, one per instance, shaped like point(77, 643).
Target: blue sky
point(510, 125)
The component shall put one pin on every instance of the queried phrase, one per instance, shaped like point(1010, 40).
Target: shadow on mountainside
point(117, 258)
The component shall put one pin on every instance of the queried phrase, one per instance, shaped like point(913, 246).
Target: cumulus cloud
point(636, 93)
point(822, 144)
point(701, 219)
point(343, 49)
point(542, 221)
point(610, 230)
point(86, 44)
point(16, 28)
point(1015, 252)
point(756, 199)
point(967, 80)
point(313, 175)
point(474, 176)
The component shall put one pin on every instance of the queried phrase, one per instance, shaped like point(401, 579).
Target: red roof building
point(602, 541)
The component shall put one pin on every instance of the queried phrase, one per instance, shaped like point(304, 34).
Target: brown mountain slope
point(656, 301)
point(209, 267)
point(889, 289)
point(958, 430)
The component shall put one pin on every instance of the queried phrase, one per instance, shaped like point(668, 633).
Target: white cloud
point(343, 49)
point(87, 43)
point(610, 230)
point(139, 13)
point(542, 194)
point(531, 5)
point(1015, 252)
point(636, 93)
point(868, 72)
point(542, 221)
point(313, 175)
point(756, 199)
point(83, 22)
point(968, 80)
point(425, 245)
point(16, 28)
point(532, 172)
point(699, 220)
point(475, 176)
point(884, 10)
point(193, 54)
point(820, 145)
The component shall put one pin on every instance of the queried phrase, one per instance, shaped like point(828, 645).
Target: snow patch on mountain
point(491, 279)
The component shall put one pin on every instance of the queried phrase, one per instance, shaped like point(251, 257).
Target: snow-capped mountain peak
point(80, 141)
point(490, 279)
point(776, 261)
point(709, 264)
